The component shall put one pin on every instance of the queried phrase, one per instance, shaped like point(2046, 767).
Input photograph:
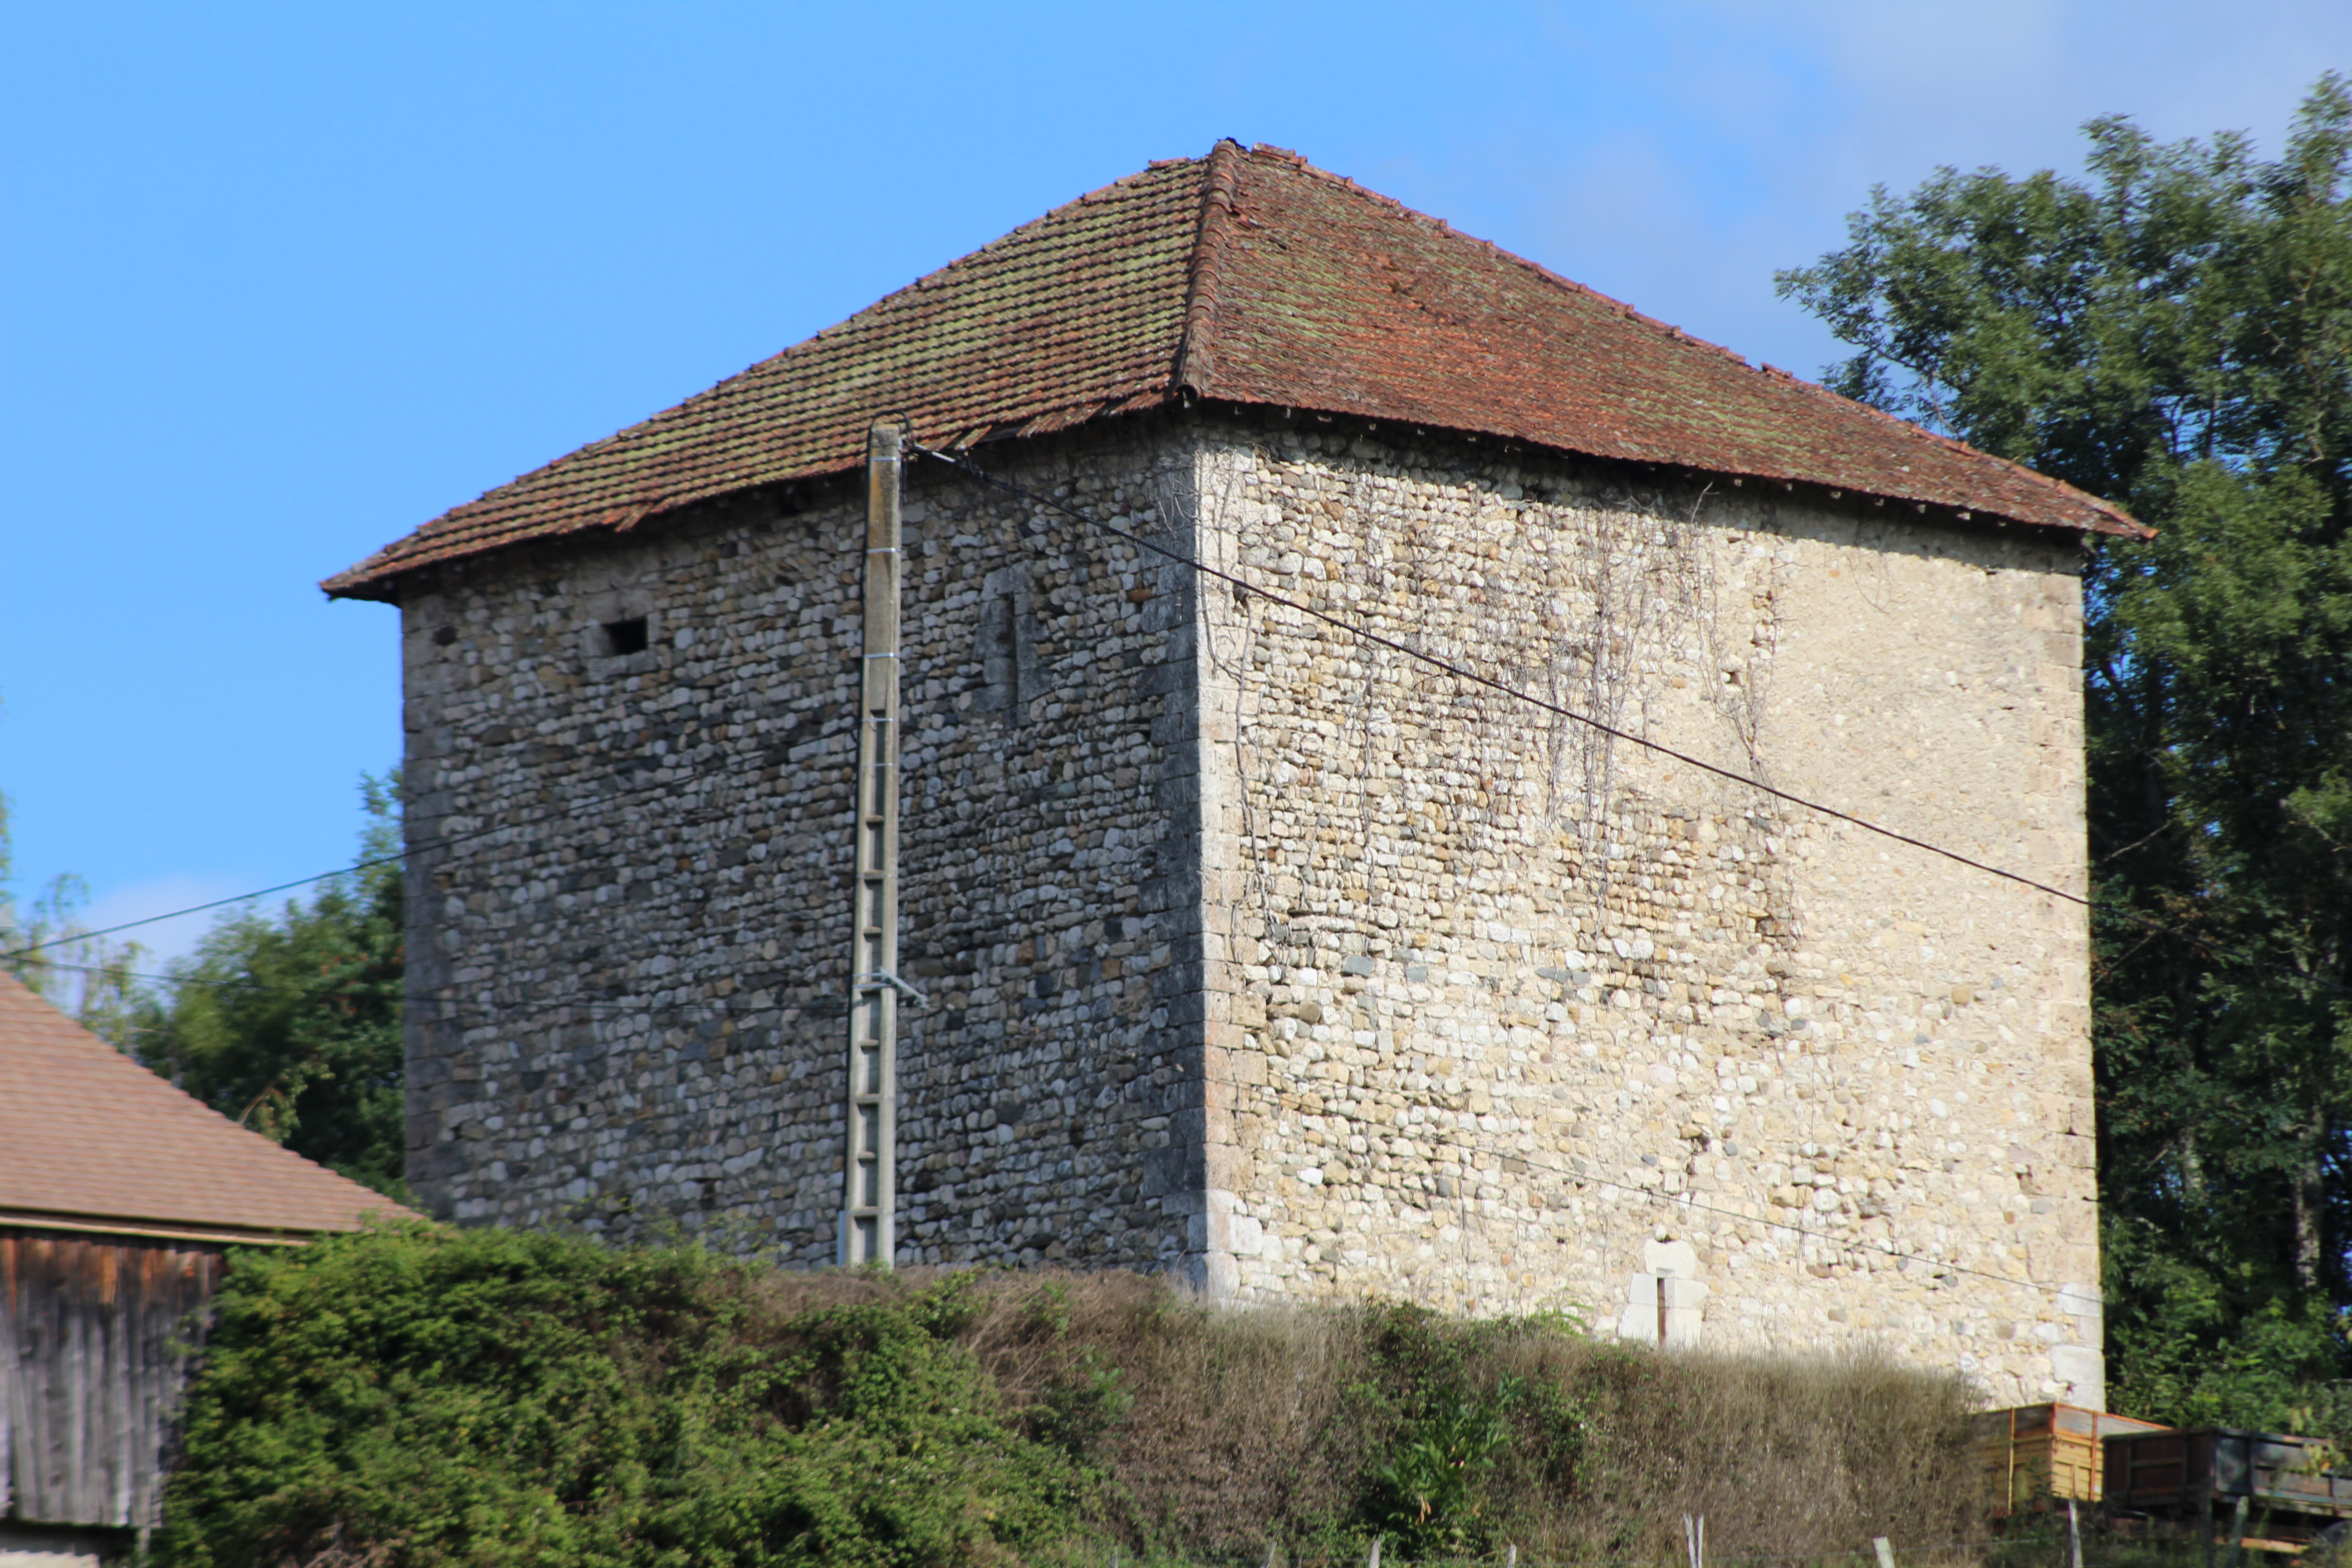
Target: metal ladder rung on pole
point(869, 1194)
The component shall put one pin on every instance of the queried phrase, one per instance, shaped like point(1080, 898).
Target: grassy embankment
point(426, 1396)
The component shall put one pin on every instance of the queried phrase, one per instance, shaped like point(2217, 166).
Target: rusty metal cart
point(2287, 1489)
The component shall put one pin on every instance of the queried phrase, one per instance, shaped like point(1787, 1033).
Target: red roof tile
point(91, 1141)
point(1249, 277)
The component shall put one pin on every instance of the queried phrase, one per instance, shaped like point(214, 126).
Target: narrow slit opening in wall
point(1004, 636)
point(1006, 648)
point(627, 635)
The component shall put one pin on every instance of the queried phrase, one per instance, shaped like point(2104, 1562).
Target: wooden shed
point(120, 1198)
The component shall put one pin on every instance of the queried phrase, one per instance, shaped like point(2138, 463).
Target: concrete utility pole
point(869, 1176)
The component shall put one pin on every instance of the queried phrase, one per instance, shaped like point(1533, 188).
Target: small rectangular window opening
point(625, 637)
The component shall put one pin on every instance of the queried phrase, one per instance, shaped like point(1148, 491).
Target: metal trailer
point(2287, 1491)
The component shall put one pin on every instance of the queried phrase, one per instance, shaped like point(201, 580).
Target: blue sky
point(279, 283)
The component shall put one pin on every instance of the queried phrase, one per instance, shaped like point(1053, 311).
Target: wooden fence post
point(2205, 1504)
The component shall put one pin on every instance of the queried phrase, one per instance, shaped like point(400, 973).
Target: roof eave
point(379, 579)
point(2097, 516)
point(148, 1229)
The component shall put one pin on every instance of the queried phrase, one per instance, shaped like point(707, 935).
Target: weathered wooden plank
point(12, 1387)
point(96, 1341)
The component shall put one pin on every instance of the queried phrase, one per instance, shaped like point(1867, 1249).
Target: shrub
point(414, 1395)
point(411, 1397)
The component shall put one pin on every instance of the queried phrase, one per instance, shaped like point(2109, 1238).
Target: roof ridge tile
point(1196, 363)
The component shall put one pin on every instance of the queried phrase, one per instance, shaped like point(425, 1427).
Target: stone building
point(1252, 949)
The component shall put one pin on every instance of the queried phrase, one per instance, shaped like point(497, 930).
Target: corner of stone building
point(431, 1046)
point(1215, 1167)
point(2061, 855)
point(2080, 1366)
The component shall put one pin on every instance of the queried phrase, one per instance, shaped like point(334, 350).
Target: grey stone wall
point(641, 965)
point(1280, 961)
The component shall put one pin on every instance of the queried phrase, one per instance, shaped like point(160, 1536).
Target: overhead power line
point(74, 936)
point(1463, 672)
point(1362, 633)
point(241, 982)
point(569, 809)
point(1681, 1200)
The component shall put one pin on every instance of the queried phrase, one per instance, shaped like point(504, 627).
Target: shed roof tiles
point(1249, 277)
point(91, 1141)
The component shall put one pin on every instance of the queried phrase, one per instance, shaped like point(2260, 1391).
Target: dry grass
point(1230, 1430)
point(1784, 1457)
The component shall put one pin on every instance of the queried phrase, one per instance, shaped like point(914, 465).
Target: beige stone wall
point(1506, 1016)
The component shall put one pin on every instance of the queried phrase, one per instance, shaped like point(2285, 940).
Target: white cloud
point(1739, 142)
point(2011, 81)
point(165, 940)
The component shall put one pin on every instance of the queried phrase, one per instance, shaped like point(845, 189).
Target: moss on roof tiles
point(1315, 294)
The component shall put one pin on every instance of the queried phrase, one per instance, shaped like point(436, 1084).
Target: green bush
point(1449, 1422)
point(416, 1397)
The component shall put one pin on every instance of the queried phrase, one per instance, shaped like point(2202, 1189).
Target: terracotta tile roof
point(1249, 277)
point(91, 1141)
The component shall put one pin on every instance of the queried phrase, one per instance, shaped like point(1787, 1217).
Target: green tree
point(290, 1023)
point(2173, 331)
point(51, 950)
